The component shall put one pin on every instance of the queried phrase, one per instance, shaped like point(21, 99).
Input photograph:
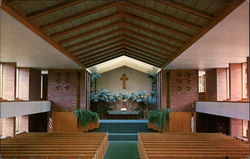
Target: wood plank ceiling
point(93, 31)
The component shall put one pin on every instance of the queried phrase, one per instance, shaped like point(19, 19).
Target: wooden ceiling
point(93, 31)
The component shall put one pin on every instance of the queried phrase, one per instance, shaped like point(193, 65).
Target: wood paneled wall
point(64, 122)
point(180, 122)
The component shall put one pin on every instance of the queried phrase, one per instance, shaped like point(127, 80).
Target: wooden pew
point(55, 146)
point(190, 146)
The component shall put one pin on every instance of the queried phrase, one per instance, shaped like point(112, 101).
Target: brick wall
point(164, 89)
point(221, 84)
point(9, 81)
point(235, 127)
point(35, 84)
point(8, 127)
point(183, 89)
point(235, 77)
point(24, 123)
point(83, 90)
point(23, 83)
point(211, 85)
point(63, 89)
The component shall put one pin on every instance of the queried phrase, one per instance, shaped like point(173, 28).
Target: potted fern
point(86, 120)
point(158, 120)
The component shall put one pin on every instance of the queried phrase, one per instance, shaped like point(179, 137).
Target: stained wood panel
point(180, 122)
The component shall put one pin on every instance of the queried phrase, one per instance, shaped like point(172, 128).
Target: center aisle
point(122, 137)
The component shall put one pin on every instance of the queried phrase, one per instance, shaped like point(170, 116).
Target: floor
point(122, 150)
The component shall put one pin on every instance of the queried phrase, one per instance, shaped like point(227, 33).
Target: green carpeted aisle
point(122, 150)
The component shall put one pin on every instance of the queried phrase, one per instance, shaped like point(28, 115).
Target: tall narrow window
point(245, 128)
point(244, 80)
point(1, 81)
point(228, 84)
point(202, 81)
point(17, 83)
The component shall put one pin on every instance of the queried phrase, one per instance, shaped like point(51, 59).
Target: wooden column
point(235, 81)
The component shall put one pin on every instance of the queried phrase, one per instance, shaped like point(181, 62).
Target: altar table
point(123, 114)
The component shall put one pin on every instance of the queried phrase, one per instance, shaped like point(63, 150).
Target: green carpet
point(122, 150)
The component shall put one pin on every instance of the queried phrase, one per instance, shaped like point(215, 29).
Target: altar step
point(123, 136)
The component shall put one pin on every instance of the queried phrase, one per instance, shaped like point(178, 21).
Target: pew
point(190, 146)
point(55, 146)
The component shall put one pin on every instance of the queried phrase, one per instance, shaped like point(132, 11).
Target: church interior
point(124, 79)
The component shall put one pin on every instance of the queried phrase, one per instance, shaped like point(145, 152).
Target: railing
point(19, 108)
point(238, 110)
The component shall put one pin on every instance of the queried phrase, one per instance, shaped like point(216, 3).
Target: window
point(202, 81)
point(245, 128)
point(244, 80)
point(1, 81)
point(228, 84)
point(17, 124)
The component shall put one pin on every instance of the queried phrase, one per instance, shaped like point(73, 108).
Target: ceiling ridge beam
point(99, 48)
point(117, 46)
point(106, 59)
point(152, 32)
point(95, 44)
point(53, 8)
point(102, 55)
point(81, 14)
point(164, 16)
point(19, 17)
point(143, 56)
point(157, 25)
point(151, 39)
point(142, 59)
point(92, 39)
point(187, 9)
point(161, 49)
point(144, 53)
point(85, 25)
point(208, 27)
point(146, 48)
point(88, 33)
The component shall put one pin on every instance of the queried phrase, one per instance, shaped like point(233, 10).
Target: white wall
point(137, 81)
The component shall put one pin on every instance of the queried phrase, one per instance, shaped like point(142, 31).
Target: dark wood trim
point(187, 9)
point(98, 57)
point(164, 16)
point(18, 16)
point(53, 8)
point(81, 26)
point(88, 33)
point(92, 39)
point(81, 14)
point(103, 60)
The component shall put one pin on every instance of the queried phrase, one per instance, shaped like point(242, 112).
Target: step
point(123, 136)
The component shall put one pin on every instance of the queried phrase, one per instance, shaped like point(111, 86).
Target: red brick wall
point(9, 81)
point(23, 83)
point(24, 123)
point(183, 89)
point(62, 89)
point(8, 127)
point(35, 84)
point(164, 89)
point(236, 127)
point(211, 85)
point(235, 77)
point(221, 84)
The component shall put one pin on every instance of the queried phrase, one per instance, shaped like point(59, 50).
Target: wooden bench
point(190, 146)
point(55, 146)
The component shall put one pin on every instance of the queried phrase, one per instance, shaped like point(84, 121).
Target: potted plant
point(86, 120)
point(158, 120)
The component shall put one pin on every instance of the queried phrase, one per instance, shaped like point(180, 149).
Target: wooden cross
point(124, 79)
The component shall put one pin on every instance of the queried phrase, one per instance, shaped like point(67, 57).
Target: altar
point(123, 114)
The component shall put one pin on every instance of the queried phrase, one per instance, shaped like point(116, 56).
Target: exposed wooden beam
point(81, 14)
point(54, 8)
point(164, 16)
point(82, 35)
point(93, 39)
point(103, 60)
point(144, 53)
point(100, 48)
point(187, 9)
point(160, 26)
point(154, 33)
point(146, 48)
point(143, 42)
point(221, 2)
point(15, 2)
point(105, 51)
point(142, 56)
point(81, 26)
point(220, 17)
point(141, 59)
point(98, 57)
point(18, 16)
point(150, 39)
point(96, 44)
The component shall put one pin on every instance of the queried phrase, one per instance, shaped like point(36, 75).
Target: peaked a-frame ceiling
point(93, 31)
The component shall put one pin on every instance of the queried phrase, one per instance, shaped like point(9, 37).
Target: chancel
point(112, 79)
